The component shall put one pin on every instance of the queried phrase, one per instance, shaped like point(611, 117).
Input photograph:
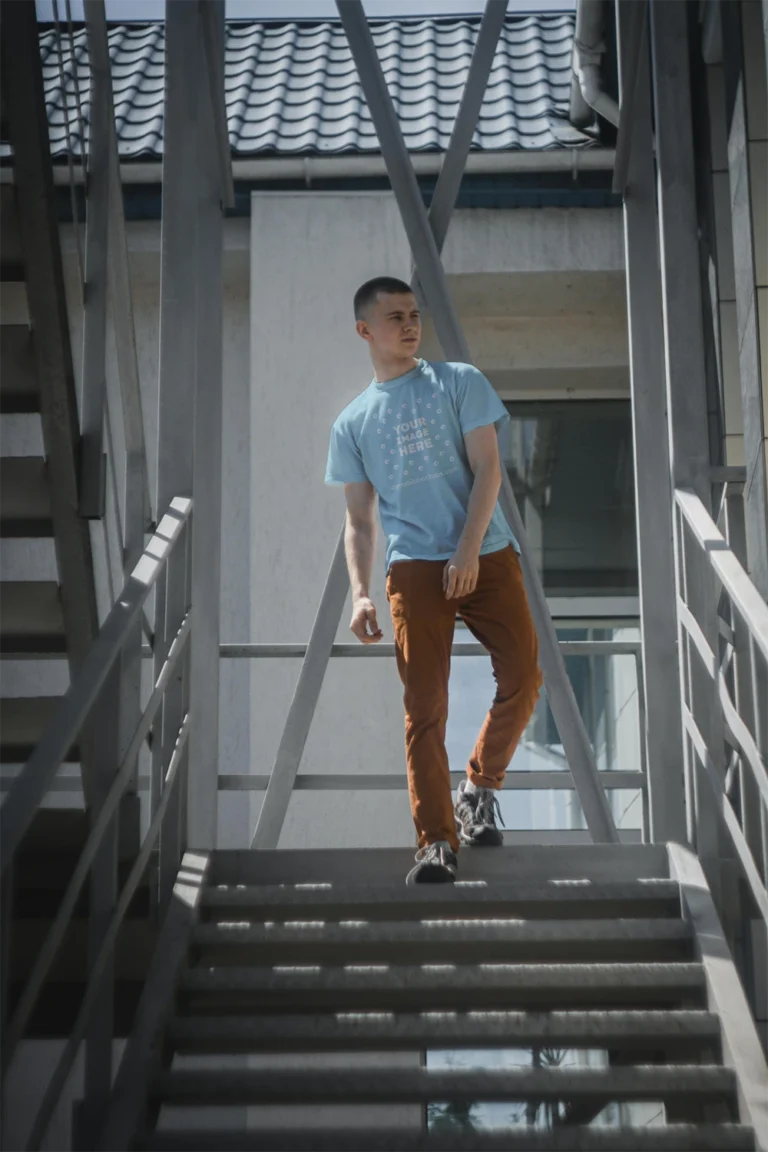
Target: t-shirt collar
point(397, 380)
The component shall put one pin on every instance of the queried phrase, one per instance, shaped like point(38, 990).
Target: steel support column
point(448, 328)
point(653, 489)
point(94, 391)
point(178, 329)
point(634, 50)
point(202, 793)
point(685, 377)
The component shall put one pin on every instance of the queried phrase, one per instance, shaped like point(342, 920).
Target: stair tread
point(19, 390)
point(396, 902)
point(22, 722)
point(372, 866)
point(484, 931)
point(460, 940)
point(480, 1029)
point(669, 1138)
point(25, 504)
point(446, 987)
point(31, 617)
point(420, 1085)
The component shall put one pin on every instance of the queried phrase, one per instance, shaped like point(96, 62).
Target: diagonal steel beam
point(454, 162)
point(449, 332)
point(305, 697)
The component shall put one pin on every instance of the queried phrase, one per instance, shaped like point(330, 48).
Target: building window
point(571, 467)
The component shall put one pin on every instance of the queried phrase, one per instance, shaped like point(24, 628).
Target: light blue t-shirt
point(406, 436)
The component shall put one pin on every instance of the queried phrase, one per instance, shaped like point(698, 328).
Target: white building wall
point(309, 255)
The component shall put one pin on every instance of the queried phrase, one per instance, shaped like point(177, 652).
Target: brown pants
point(497, 615)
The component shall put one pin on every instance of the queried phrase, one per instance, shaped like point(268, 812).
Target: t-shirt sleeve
point(345, 464)
point(477, 402)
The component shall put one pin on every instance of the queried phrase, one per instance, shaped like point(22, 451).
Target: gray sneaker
point(476, 814)
point(435, 864)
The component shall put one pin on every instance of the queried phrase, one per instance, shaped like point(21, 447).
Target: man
point(423, 437)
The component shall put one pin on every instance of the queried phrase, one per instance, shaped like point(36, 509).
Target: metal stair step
point(18, 378)
point(461, 941)
point(669, 1031)
point(670, 1138)
point(446, 987)
point(656, 1083)
point(22, 722)
point(25, 502)
point(511, 864)
point(31, 618)
point(542, 899)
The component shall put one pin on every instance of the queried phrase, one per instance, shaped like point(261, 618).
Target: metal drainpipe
point(588, 48)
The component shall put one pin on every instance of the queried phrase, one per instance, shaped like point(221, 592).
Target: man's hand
point(363, 619)
point(460, 574)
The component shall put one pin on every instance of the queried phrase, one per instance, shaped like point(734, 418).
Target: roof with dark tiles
point(292, 88)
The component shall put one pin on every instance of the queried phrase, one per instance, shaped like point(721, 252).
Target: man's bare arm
point(360, 548)
point(461, 572)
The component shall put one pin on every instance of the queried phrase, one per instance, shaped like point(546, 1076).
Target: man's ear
point(363, 330)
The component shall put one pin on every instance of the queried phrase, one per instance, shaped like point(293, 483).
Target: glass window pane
point(571, 467)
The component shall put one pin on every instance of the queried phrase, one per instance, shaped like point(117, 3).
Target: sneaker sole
point(430, 874)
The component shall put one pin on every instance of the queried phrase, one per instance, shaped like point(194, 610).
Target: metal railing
point(85, 697)
point(289, 757)
point(723, 624)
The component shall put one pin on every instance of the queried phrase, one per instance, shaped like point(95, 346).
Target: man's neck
point(392, 367)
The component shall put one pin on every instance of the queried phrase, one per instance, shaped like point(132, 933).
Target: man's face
point(392, 325)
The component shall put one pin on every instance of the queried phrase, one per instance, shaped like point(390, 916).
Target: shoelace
point(429, 853)
point(488, 808)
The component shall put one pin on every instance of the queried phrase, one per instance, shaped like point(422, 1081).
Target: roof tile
point(293, 87)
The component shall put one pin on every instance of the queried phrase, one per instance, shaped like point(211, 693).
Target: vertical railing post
point(103, 740)
point(173, 714)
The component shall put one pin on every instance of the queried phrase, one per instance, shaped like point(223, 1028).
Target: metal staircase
point(47, 596)
point(590, 950)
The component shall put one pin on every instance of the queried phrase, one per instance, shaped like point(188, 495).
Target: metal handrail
point(77, 707)
point(733, 587)
point(33, 781)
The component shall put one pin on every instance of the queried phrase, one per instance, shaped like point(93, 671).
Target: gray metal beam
point(754, 409)
point(202, 791)
point(94, 384)
point(455, 159)
point(178, 356)
point(635, 51)
point(214, 39)
point(678, 232)
point(654, 497)
point(449, 332)
point(686, 390)
point(304, 702)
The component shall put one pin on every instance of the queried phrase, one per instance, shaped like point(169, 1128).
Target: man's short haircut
point(368, 292)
